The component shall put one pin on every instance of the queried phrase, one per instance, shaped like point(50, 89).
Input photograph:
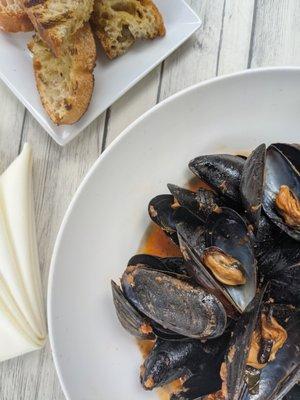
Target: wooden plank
point(276, 34)
point(197, 59)
point(236, 36)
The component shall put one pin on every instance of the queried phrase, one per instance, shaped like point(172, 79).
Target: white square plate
point(112, 78)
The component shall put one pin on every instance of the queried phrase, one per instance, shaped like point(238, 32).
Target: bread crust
point(83, 52)
point(47, 28)
point(105, 38)
point(14, 21)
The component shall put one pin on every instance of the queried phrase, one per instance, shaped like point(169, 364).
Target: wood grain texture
point(236, 34)
point(276, 33)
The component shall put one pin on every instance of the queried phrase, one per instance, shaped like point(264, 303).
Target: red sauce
point(145, 346)
point(157, 243)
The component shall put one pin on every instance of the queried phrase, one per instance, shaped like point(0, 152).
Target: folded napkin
point(22, 318)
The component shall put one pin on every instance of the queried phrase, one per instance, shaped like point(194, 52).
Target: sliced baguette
point(119, 23)
point(13, 18)
point(57, 20)
point(65, 83)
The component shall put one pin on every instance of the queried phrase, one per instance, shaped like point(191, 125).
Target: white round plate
point(95, 358)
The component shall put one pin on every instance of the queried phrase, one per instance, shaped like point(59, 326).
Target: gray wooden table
point(235, 35)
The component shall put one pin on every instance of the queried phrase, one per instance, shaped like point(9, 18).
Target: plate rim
point(101, 158)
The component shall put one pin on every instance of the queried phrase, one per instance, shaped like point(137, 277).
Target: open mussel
point(220, 257)
point(174, 302)
point(234, 367)
point(262, 362)
point(171, 360)
point(281, 199)
point(291, 152)
point(281, 374)
point(222, 172)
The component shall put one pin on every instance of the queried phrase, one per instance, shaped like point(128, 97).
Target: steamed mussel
point(170, 360)
point(224, 318)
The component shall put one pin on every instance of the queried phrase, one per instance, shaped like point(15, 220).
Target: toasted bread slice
point(57, 20)
point(65, 83)
point(13, 18)
point(119, 23)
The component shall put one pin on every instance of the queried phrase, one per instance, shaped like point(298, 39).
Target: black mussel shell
point(170, 360)
point(174, 302)
point(192, 234)
point(166, 214)
point(166, 334)
point(279, 171)
point(199, 386)
point(206, 378)
point(291, 151)
point(266, 231)
point(191, 238)
point(176, 265)
point(252, 182)
point(131, 320)
point(285, 286)
point(228, 231)
point(293, 394)
point(280, 265)
point(265, 236)
point(161, 212)
point(236, 357)
point(192, 245)
point(222, 172)
point(200, 203)
point(280, 255)
point(279, 376)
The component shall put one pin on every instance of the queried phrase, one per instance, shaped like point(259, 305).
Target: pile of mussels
point(225, 316)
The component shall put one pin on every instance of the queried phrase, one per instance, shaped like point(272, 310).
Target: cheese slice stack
point(22, 318)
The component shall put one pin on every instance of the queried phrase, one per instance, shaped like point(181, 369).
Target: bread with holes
point(65, 83)
point(57, 20)
point(119, 23)
point(13, 18)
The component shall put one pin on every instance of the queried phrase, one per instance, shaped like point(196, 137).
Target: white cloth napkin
point(22, 318)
